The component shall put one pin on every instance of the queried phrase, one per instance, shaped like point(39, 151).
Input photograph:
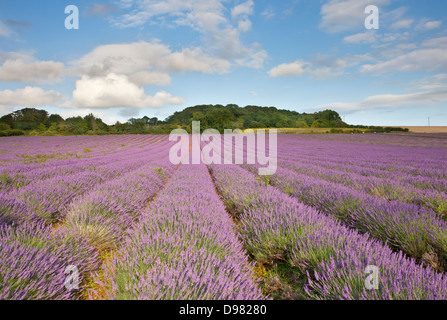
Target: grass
point(264, 179)
point(39, 158)
point(315, 130)
point(281, 281)
point(4, 178)
point(426, 129)
point(96, 285)
point(160, 172)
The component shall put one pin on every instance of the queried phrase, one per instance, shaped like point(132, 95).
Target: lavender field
point(136, 226)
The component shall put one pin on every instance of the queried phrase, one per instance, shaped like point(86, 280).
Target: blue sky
point(131, 58)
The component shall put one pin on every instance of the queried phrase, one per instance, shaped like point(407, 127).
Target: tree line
point(31, 121)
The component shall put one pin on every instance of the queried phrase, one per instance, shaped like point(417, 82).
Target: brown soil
point(427, 129)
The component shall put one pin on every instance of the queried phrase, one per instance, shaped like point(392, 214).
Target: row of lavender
point(429, 193)
point(48, 198)
point(386, 158)
point(335, 257)
point(17, 149)
point(184, 247)
point(410, 219)
point(401, 139)
point(15, 174)
point(34, 255)
point(102, 217)
point(171, 249)
point(407, 218)
point(418, 232)
point(419, 178)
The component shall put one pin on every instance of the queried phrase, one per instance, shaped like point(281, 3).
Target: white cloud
point(402, 24)
point(325, 66)
point(22, 68)
point(321, 66)
point(29, 97)
point(429, 25)
point(4, 110)
point(394, 15)
point(221, 36)
point(244, 25)
point(100, 9)
point(268, 14)
point(391, 50)
point(5, 55)
point(146, 63)
point(387, 101)
point(112, 75)
point(125, 4)
point(115, 91)
point(346, 15)
point(150, 78)
point(326, 72)
point(295, 68)
point(374, 38)
point(426, 60)
point(193, 60)
point(361, 38)
point(244, 9)
point(143, 11)
point(437, 81)
point(436, 43)
point(254, 59)
point(325, 60)
point(393, 37)
point(5, 31)
point(128, 59)
point(241, 13)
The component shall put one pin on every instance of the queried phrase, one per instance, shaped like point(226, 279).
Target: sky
point(130, 58)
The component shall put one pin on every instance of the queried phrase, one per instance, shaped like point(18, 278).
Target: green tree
point(153, 121)
point(54, 118)
point(4, 126)
point(219, 119)
point(90, 122)
point(76, 125)
point(317, 124)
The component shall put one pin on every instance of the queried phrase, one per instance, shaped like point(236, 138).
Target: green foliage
point(264, 179)
point(377, 129)
point(30, 121)
point(11, 132)
point(54, 118)
point(333, 130)
point(160, 172)
point(4, 178)
point(284, 282)
point(4, 126)
point(42, 127)
point(232, 116)
point(317, 124)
